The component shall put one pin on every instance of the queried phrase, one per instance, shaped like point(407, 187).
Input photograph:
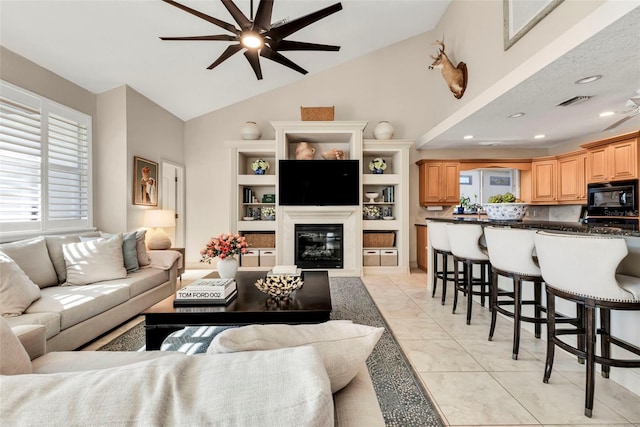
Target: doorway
point(173, 198)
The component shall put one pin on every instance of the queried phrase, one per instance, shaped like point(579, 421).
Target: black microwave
point(614, 199)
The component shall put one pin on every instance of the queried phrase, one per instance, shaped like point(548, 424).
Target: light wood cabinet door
point(430, 188)
point(623, 160)
point(451, 182)
point(439, 183)
point(571, 178)
point(421, 241)
point(613, 162)
point(544, 181)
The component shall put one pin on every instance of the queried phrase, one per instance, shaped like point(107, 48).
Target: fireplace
point(319, 246)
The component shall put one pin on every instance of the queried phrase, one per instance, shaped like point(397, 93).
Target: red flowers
point(225, 245)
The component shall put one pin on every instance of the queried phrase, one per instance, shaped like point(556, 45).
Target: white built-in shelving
point(325, 136)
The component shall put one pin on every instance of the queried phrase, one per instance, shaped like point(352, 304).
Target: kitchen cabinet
point(421, 243)
point(572, 180)
point(439, 182)
point(613, 159)
point(544, 180)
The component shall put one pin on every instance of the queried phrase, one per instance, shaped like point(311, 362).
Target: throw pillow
point(342, 346)
point(54, 246)
point(129, 250)
point(15, 359)
point(141, 248)
point(17, 291)
point(94, 261)
point(33, 258)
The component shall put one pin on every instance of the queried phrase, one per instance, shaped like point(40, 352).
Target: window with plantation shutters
point(44, 164)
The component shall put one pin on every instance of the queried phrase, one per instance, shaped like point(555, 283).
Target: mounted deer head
point(456, 77)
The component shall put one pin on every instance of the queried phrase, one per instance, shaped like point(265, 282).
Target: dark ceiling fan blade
point(294, 45)
point(278, 33)
point(619, 122)
point(237, 14)
point(215, 21)
point(229, 51)
point(252, 57)
point(262, 20)
point(276, 57)
point(222, 37)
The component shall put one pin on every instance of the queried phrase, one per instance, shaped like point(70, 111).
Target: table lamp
point(159, 219)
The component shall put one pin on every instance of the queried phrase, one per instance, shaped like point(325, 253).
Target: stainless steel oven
point(613, 199)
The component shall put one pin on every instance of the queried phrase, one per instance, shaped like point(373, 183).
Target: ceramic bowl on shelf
point(388, 218)
point(248, 218)
point(371, 197)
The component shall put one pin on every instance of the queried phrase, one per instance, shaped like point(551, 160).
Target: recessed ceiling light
point(589, 79)
point(540, 136)
point(468, 137)
point(515, 115)
point(607, 113)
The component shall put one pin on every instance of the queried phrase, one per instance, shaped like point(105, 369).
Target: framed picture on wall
point(145, 182)
point(520, 16)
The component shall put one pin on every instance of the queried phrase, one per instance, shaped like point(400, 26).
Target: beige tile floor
point(473, 381)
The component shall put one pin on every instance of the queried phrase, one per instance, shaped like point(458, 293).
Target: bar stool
point(511, 255)
point(439, 240)
point(464, 240)
point(582, 269)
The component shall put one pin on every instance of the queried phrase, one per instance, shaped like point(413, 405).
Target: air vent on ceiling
point(573, 101)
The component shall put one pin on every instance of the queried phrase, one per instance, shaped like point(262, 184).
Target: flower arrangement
point(268, 212)
point(259, 165)
point(377, 164)
point(223, 246)
point(371, 211)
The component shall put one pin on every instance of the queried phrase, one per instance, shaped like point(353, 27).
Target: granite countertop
point(575, 227)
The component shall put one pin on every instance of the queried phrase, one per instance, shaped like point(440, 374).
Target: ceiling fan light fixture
point(586, 80)
point(251, 40)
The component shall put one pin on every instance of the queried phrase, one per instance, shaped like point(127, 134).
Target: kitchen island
point(570, 227)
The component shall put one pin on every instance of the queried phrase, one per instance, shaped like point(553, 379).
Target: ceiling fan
point(258, 36)
point(633, 104)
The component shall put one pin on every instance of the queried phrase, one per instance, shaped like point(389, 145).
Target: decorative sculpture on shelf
point(304, 151)
point(456, 77)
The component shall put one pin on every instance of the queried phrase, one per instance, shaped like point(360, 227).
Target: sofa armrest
point(32, 338)
point(165, 260)
point(357, 404)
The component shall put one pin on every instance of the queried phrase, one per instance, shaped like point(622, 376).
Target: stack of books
point(285, 270)
point(206, 292)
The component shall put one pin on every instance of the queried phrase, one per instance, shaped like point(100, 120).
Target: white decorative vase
point(250, 130)
point(227, 268)
point(383, 130)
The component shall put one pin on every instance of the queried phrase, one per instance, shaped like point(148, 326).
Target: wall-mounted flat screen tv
point(319, 182)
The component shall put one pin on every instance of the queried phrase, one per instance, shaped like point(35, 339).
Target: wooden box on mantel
point(317, 113)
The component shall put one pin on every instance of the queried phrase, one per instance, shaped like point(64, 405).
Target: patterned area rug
point(403, 401)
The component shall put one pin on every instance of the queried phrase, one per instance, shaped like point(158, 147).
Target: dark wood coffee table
point(311, 304)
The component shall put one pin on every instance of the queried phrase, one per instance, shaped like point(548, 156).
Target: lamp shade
point(159, 218)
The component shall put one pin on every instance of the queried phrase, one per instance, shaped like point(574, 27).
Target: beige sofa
point(73, 311)
point(279, 387)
